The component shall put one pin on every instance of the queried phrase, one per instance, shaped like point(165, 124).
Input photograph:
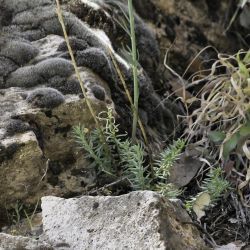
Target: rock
point(22, 168)
point(139, 220)
point(190, 26)
point(9, 242)
point(41, 99)
point(23, 155)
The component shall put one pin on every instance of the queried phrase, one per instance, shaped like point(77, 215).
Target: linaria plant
point(128, 156)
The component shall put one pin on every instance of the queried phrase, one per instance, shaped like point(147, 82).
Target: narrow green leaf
point(243, 69)
point(246, 59)
point(245, 130)
point(230, 145)
point(216, 136)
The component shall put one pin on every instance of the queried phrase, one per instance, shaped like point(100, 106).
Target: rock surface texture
point(41, 100)
point(139, 220)
point(9, 242)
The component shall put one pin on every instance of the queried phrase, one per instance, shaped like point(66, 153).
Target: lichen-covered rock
point(45, 98)
point(22, 168)
point(191, 26)
point(10, 242)
point(38, 153)
point(139, 220)
point(40, 94)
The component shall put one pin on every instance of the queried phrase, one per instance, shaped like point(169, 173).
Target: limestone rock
point(9, 242)
point(22, 168)
point(40, 94)
point(139, 220)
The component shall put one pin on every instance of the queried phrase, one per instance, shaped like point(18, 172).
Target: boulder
point(138, 220)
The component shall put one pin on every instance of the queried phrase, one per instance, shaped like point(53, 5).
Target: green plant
point(132, 156)
point(162, 169)
point(127, 23)
point(16, 216)
point(167, 158)
point(215, 184)
point(213, 187)
point(29, 219)
point(18, 213)
point(90, 142)
point(128, 156)
point(168, 190)
point(134, 67)
point(221, 125)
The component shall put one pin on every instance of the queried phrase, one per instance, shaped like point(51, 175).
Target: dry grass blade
point(224, 103)
point(92, 112)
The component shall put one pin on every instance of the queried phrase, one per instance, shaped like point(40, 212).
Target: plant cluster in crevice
point(219, 128)
point(127, 159)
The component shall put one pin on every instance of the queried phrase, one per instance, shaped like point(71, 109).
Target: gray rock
point(22, 168)
point(19, 52)
point(45, 98)
point(10, 242)
point(139, 220)
point(16, 126)
point(36, 73)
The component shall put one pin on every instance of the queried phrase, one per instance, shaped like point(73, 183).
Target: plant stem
point(134, 67)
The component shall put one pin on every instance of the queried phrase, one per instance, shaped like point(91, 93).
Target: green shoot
point(132, 156)
point(128, 156)
point(134, 67)
point(167, 158)
point(215, 185)
point(90, 142)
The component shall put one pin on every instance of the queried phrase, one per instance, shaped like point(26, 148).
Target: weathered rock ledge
point(41, 100)
point(139, 220)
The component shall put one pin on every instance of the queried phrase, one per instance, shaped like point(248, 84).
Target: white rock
point(139, 220)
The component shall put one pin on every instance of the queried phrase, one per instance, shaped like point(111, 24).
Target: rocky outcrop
point(139, 220)
point(41, 99)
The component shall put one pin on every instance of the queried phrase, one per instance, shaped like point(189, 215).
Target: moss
point(16, 126)
point(19, 52)
point(45, 98)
